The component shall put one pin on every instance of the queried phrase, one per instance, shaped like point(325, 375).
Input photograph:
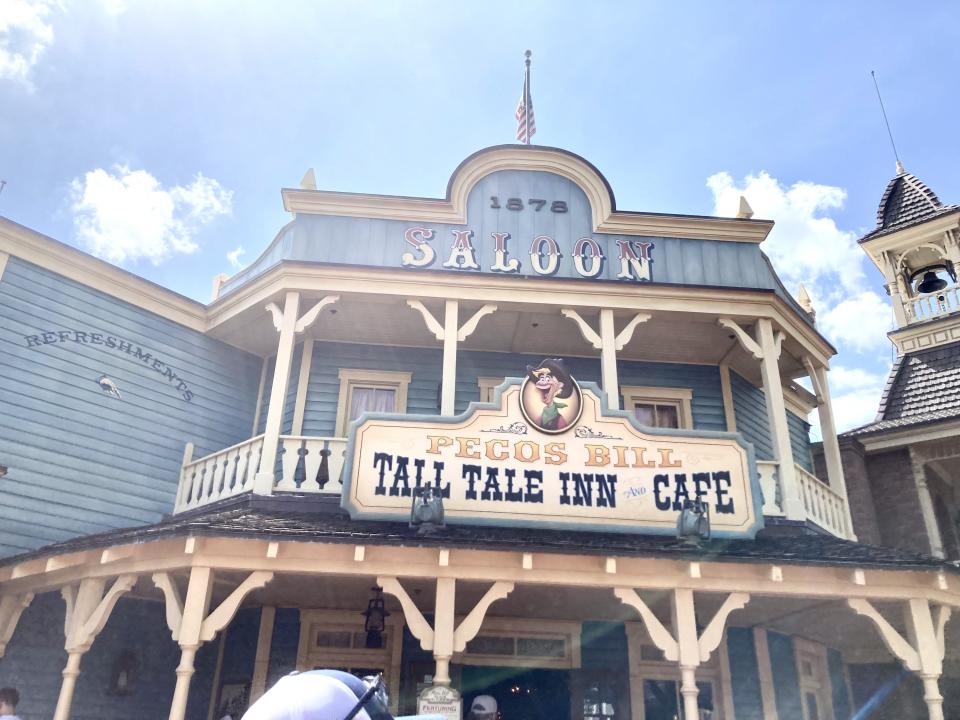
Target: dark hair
point(558, 370)
point(10, 696)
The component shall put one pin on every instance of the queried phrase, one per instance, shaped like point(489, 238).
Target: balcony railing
point(933, 305)
point(823, 506)
point(304, 464)
point(315, 465)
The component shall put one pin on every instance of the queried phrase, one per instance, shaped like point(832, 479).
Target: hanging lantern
point(376, 619)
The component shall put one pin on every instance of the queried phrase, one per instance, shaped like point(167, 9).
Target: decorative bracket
point(894, 641)
point(11, 607)
point(661, 637)
point(89, 608)
point(588, 334)
point(814, 379)
point(625, 335)
point(217, 619)
point(310, 316)
point(707, 642)
point(748, 343)
point(464, 632)
point(469, 627)
point(465, 330)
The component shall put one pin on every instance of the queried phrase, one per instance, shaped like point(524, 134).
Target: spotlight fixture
point(693, 525)
point(426, 510)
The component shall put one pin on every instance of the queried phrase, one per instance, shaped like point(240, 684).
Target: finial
point(900, 170)
point(308, 181)
point(803, 299)
point(745, 212)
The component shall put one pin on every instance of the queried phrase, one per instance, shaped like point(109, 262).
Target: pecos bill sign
point(546, 453)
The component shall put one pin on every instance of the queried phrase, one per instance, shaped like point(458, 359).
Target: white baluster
point(288, 464)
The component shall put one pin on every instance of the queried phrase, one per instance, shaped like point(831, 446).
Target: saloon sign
point(545, 453)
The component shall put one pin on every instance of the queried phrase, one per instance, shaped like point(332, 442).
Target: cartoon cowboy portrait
point(550, 399)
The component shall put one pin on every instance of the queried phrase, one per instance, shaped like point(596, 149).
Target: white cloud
point(846, 378)
point(125, 215)
point(234, 257)
point(114, 8)
point(804, 245)
point(25, 33)
point(860, 322)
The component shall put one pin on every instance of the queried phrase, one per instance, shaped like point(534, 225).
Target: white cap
point(485, 704)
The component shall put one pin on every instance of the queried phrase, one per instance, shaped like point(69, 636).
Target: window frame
point(487, 385)
point(680, 398)
point(820, 683)
point(351, 378)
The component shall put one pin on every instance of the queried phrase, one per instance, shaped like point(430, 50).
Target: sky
point(157, 136)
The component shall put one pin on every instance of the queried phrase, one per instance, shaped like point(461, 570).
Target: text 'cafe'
point(513, 442)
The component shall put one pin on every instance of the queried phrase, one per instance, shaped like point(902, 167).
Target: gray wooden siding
point(79, 460)
point(750, 408)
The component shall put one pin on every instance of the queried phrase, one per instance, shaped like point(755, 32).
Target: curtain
point(371, 400)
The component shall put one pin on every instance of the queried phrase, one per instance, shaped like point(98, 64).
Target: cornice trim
point(453, 209)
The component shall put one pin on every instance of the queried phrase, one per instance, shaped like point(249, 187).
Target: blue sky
point(158, 135)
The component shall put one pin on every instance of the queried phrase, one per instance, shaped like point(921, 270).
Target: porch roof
point(320, 519)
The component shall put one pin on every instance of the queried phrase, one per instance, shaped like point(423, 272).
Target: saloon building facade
point(198, 499)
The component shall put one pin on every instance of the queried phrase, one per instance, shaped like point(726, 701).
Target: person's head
point(9, 698)
point(483, 707)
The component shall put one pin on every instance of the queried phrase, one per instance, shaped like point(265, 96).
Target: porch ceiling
point(668, 336)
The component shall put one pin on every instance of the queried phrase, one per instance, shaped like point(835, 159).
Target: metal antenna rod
point(896, 156)
point(3, 184)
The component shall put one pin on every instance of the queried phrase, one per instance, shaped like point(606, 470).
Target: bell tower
point(916, 245)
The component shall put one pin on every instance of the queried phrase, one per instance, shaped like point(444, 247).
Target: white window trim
point(682, 398)
point(816, 654)
point(566, 630)
point(381, 379)
point(487, 385)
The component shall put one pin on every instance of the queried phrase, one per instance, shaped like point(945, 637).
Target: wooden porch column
point(926, 504)
point(284, 322)
point(684, 645)
point(191, 625)
point(828, 429)
point(88, 610)
point(289, 324)
point(922, 651)
point(450, 333)
point(608, 342)
point(445, 637)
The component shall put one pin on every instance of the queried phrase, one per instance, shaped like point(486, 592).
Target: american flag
point(525, 108)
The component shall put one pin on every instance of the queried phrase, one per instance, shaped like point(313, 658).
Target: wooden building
point(198, 499)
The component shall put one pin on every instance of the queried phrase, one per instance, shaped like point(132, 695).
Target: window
point(369, 391)
point(511, 642)
point(659, 407)
point(487, 386)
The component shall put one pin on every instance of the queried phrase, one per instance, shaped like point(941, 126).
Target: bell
point(931, 283)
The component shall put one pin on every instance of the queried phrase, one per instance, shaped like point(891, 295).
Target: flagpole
point(526, 93)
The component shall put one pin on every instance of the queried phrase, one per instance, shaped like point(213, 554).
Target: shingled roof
point(923, 388)
point(907, 201)
point(313, 519)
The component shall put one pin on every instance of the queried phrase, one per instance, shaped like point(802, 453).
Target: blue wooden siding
point(380, 243)
point(744, 674)
point(704, 380)
point(425, 364)
point(81, 461)
point(320, 411)
point(750, 408)
point(786, 683)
